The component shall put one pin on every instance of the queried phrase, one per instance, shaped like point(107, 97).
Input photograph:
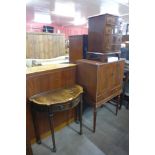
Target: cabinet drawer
point(111, 20)
point(116, 30)
point(117, 39)
point(108, 30)
point(116, 47)
point(107, 42)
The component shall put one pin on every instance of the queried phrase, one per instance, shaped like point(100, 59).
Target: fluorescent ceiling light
point(64, 9)
point(79, 21)
point(125, 2)
point(110, 7)
point(42, 18)
point(28, 1)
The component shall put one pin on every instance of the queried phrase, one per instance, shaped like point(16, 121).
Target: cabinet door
point(102, 79)
point(103, 82)
point(118, 68)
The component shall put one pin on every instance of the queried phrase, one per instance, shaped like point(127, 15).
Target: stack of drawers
point(104, 33)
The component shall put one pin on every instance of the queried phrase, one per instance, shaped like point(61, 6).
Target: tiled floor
point(111, 136)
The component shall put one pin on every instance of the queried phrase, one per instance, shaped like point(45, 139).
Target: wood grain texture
point(57, 96)
point(104, 34)
point(101, 81)
point(77, 43)
point(44, 45)
point(44, 81)
point(75, 48)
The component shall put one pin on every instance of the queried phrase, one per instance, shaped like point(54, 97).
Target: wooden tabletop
point(35, 69)
point(57, 96)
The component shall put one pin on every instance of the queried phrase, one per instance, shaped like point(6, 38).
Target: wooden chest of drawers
point(101, 81)
point(104, 33)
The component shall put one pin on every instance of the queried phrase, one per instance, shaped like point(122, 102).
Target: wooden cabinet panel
point(44, 45)
point(101, 28)
point(111, 20)
point(78, 46)
point(116, 47)
point(117, 40)
point(86, 76)
point(107, 42)
point(100, 80)
point(108, 30)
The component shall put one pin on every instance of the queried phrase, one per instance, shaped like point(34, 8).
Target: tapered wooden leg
point(28, 144)
point(94, 122)
point(50, 116)
point(77, 114)
point(118, 103)
point(36, 125)
point(121, 101)
point(28, 147)
point(80, 114)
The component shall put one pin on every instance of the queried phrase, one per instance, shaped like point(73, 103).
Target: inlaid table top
point(57, 96)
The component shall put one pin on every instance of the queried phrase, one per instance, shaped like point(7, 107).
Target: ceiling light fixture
point(42, 18)
point(79, 21)
point(66, 9)
point(28, 1)
point(110, 7)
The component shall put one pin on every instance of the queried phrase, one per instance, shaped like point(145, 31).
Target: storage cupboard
point(78, 46)
point(101, 82)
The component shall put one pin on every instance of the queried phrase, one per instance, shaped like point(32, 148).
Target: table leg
point(94, 122)
point(36, 125)
point(28, 144)
point(118, 103)
point(50, 116)
point(28, 147)
point(80, 114)
point(77, 114)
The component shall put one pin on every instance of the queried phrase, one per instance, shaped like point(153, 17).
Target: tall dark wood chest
point(104, 33)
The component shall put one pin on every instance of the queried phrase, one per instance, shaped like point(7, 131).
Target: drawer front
point(117, 39)
point(66, 106)
point(111, 20)
point(116, 47)
point(108, 30)
point(116, 30)
point(107, 42)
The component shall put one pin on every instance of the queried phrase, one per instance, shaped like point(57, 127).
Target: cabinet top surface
point(99, 15)
point(47, 68)
point(97, 62)
point(44, 33)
